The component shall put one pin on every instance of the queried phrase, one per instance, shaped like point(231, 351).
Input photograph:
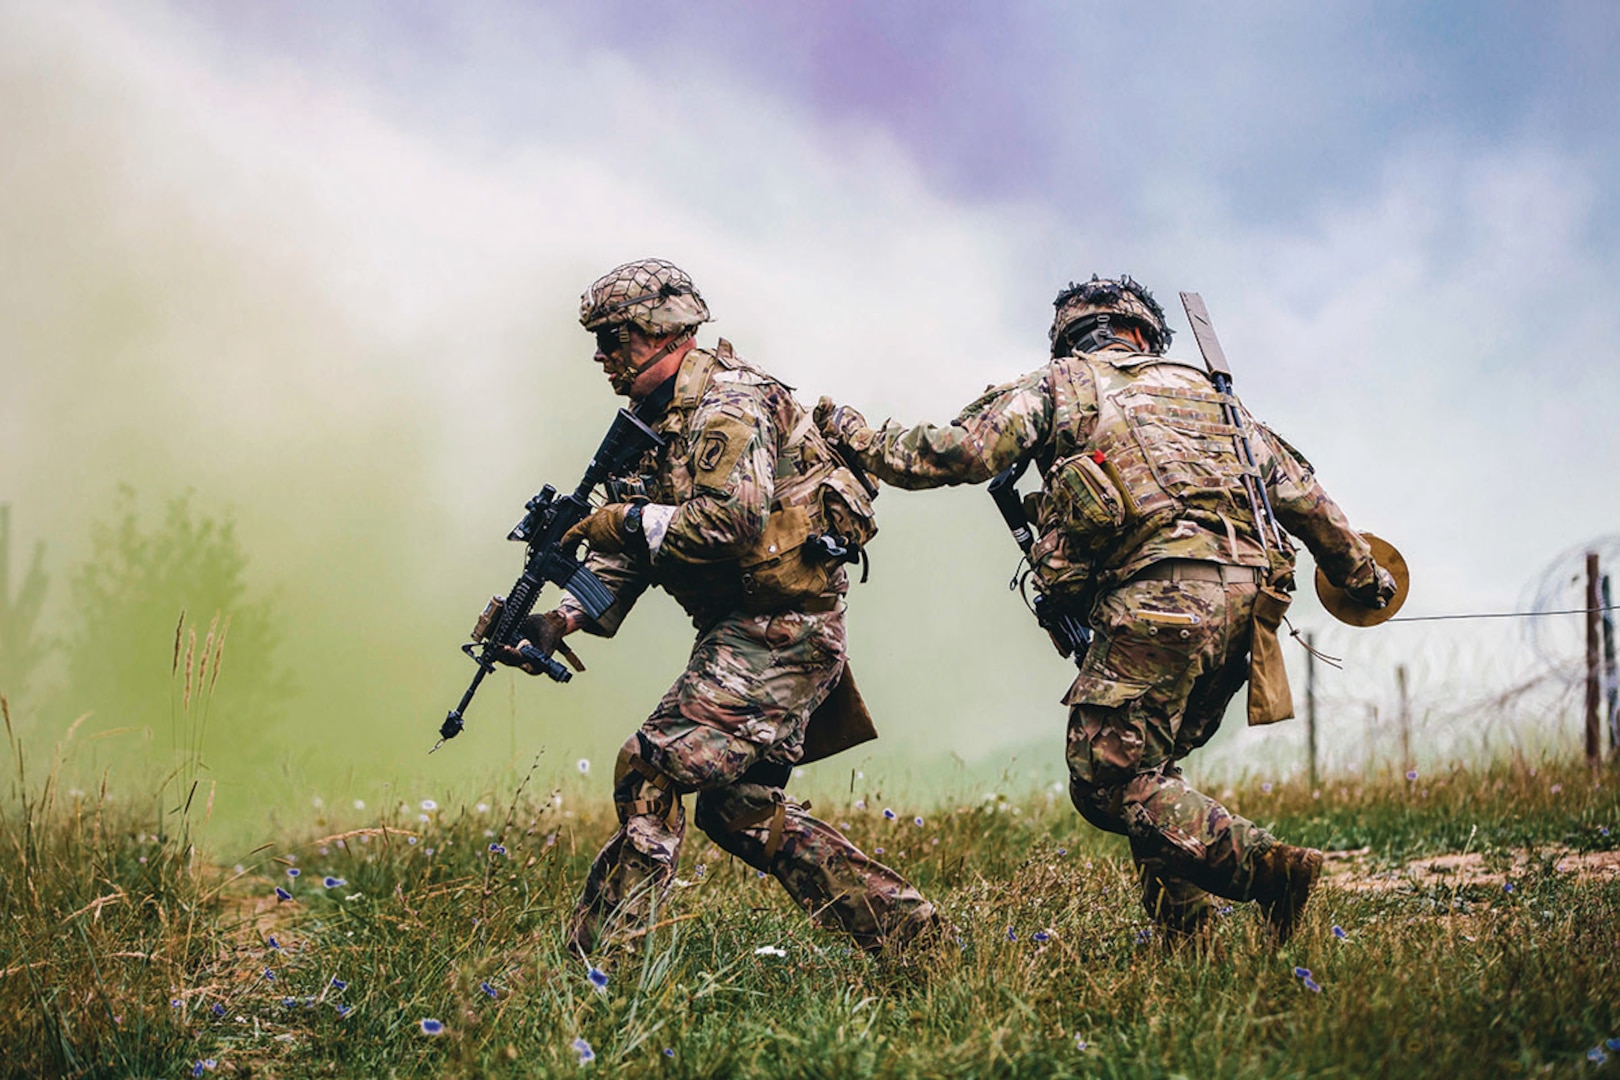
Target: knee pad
point(640, 787)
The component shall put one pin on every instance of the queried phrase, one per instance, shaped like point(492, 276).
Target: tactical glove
point(609, 530)
point(544, 633)
point(1375, 593)
point(840, 423)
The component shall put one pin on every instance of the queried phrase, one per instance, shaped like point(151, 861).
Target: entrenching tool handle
point(1204, 332)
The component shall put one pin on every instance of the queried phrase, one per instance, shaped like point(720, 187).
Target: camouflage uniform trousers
point(729, 729)
point(1166, 659)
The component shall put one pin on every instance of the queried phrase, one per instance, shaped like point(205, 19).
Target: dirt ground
point(1350, 869)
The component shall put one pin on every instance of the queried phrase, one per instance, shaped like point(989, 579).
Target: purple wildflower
point(1338, 932)
point(583, 1049)
point(339, 984)
point(1302, 973)
point(1041, 937)
point(333, 882)
point(1012, 935)
point(293, 871)
point(431, 1026)
point(598, 979)
point(888, 814)
point(1411, 774)
point(488, 989)
point(343, 1010)
point(217, 1009)
point(497, 849)
point(1312, 985)
point(917, 821)
point(282, 894)
point(272, 942)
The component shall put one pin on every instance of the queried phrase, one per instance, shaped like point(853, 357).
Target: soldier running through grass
point(746, 518)
point(1145, 532)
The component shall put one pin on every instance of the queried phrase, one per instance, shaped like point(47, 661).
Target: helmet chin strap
point(632, 374)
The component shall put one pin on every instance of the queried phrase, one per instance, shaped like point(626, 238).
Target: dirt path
point(1349, 869)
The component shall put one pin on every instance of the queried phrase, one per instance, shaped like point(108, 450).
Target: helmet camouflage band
point(1078, 305)
point(653, 294)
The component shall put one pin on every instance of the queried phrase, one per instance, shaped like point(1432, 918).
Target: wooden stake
point(1372, 739)
point(1406, 718)
point(1310, 705)
point(1594, 751)
point(1611, 676)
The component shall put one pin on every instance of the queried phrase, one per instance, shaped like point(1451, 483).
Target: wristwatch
point(632, 520)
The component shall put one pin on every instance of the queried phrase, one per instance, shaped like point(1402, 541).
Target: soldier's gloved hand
point(839, 423)
point(1376, 593)
point(609, 529)
point(545, 630)
point(541, 631)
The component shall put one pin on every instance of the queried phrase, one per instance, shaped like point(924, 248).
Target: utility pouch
point(839, 722)
point(781, 572)
point(1270, 699)
point(1083, 501)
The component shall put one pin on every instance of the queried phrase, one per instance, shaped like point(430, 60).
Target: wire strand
point(1502, 614)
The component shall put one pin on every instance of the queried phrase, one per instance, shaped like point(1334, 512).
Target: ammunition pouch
point(823, 519)
point(1084, 501)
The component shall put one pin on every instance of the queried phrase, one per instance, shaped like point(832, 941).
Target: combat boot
point(1284, 876)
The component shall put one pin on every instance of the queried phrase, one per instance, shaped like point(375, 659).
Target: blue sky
point(326, 256)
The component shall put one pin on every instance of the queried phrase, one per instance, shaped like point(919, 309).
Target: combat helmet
point(653, 294)
point(1084, 313)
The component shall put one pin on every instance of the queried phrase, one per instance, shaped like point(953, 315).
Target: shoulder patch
point(716, 449)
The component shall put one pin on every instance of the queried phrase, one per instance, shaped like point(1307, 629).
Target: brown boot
point(1283, 878)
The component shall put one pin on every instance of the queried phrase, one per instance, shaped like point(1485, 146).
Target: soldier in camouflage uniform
point(724, 517)
point(1145, 532)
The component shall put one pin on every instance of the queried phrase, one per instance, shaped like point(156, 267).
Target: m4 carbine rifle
point(1071, 636)
point(548, 516)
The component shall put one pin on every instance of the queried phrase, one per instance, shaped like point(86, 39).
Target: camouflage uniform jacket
point(732, 434)
point(1115, 406)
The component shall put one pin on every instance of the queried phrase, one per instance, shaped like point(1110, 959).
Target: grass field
point(128, 952)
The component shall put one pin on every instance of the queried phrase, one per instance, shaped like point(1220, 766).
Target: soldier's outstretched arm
point(998, 428)
point(1304, 508)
